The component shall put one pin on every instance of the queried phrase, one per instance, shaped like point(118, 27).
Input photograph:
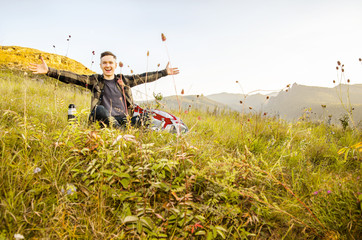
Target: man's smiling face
point(108, 66)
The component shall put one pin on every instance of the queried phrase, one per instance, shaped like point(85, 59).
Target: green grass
point(232, 176)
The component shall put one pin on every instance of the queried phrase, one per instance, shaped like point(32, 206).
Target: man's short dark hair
point(108, 53)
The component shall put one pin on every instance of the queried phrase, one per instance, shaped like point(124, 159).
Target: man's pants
point(102, 115)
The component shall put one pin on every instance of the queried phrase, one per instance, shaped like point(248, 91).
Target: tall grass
point(233, 176)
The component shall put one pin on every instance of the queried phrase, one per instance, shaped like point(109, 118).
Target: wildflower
point(126, 137)
point(93, 52)
point(18, 236)
point(163, 37)
point(329, 191)
point(120, 64)
point(315, 193)
point(186, 112)
point(265, 114)
point(358, 177)
point(198, 118)
point(36, 170)
point(248, 119)
point(70, 188)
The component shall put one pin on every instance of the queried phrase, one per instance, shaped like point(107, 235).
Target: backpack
point(160, 120)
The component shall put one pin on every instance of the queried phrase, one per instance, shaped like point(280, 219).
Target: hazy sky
point(262, 44)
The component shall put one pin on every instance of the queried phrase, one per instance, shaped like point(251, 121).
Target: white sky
point(262, 44)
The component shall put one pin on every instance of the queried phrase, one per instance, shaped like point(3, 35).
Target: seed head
point(286, 90)
point(337, 67)
point(163, 37)
point(348, 81)
point(93, 52)
point(182, 92)
point(342, 69)
point(237, 81)
point(241, 102)
point(158, 65)
point(120, 64)
point(324, 106)
point(148, 53)
point(267, 97)
point(360, 59)
point(339, 63)
point(70, 36)
point(197, 96)
point(68, 39)
point(265, 114)
point(250, 108)
point(92, 62)
point(53, 46)
point(131, 71)
point(288, 85)
point(334, 81)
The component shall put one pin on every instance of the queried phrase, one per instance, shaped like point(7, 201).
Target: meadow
point(232, 176)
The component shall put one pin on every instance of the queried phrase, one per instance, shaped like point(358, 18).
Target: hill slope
point(19, 58)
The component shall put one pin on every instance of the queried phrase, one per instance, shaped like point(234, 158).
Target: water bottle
point(71, 112)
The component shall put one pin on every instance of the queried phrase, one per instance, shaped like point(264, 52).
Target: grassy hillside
point(14, 57)
point(232, 176)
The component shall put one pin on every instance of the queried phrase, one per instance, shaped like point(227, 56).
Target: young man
point(112, 101)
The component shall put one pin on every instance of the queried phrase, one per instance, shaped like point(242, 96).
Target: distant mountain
point(190, 102)
point(240, 102)
point(317, 102)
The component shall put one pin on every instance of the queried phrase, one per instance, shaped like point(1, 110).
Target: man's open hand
point(39, 68)
point(171, 71)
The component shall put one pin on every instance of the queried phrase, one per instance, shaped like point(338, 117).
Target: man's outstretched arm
point(151, 76)
point(63, 76)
